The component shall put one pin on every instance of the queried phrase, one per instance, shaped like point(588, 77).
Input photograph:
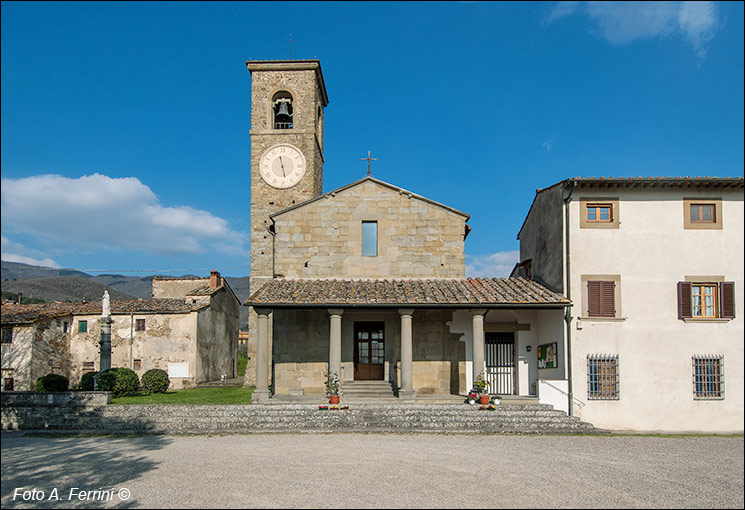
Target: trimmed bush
point(120, 381)
point(87, 381)
point(156, 380)
point(52, 382)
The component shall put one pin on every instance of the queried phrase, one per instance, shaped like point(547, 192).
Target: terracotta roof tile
point(382, 292)
point(14, 313)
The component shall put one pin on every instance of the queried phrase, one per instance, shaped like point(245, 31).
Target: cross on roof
point(291, 40)
point(368, 159)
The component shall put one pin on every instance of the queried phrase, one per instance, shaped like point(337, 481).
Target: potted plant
point(332, 387)
point(480, 385)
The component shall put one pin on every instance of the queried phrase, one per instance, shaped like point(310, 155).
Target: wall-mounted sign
point(548, 356)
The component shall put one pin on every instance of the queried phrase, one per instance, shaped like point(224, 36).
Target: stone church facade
point(368, 281)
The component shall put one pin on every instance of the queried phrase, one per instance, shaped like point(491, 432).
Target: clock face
point(282, 166)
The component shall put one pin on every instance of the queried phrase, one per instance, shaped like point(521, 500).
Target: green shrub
point(155, 380)
point(121, 381)
point(52, 382)
point(242, 361)
point(87, 381)
point(243, 350)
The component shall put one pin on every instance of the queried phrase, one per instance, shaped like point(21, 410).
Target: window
point(7, 335)
point(706, 300)
point(369, 238)
point(139, 324)
point(65, 327)
point(82, 326)
point(282, 110)
point(601, 299)
point(602, 377)
point(89, 366)
point(137, 364)
point(7, 384)
point(708, 377)
point(702, 213)
point(599, 212)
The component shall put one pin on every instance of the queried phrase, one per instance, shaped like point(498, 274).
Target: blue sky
point(125, 126)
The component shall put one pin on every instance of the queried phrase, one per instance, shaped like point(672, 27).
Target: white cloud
point(623, 22)
point(11, 251)
point(499, 264)
point(97, 212)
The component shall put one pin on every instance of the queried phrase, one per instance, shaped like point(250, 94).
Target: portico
point(409, 333)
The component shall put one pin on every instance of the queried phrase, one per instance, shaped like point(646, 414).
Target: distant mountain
point(55, 284)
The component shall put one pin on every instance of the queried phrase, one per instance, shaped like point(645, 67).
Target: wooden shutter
point(727, 300)
point(593, 299)
point(684, 300)
point(601, 300)
point(608, 300)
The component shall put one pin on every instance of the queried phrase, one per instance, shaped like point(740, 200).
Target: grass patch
point(192, 396)
point(242, 361)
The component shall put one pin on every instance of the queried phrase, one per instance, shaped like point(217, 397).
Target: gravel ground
point(375, 471)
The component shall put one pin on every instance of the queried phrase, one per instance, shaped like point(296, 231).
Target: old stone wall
point(217, 334)
point(416, 239)
point(16, 357)
point(541, 239)
point(168, 338)
point(177, 287)
point(51, 351)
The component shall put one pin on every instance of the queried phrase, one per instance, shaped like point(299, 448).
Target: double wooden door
point(369, 350)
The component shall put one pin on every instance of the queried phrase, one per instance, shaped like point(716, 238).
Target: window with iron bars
point(602, 377)
point(708, 377)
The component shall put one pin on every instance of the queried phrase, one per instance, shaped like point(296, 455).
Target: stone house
point(654, 269)
point(188, 328)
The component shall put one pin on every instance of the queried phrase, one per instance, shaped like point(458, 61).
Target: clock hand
point(283, 167)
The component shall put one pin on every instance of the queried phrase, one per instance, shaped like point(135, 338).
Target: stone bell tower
point(288, 98)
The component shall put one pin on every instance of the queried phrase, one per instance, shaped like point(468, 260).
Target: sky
point(125, 126)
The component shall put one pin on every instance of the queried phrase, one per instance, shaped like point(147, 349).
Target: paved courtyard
point(371, 471)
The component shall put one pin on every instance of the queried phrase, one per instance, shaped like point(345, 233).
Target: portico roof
point(416, 293)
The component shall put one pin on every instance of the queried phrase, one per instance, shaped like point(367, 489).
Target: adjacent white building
point(654, 268)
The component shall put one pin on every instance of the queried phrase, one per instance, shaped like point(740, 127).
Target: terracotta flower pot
point(483, 399)
point(333, 399)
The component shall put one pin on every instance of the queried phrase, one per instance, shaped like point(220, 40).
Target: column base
point(260, 397)
point(406, 396)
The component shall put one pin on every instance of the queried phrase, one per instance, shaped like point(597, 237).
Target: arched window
point(282, 109)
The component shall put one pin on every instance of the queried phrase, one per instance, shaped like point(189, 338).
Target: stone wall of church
point(416, 238)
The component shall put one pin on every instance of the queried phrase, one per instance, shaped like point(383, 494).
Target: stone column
point(477, 338)
point(406, 391)
point(335, 341)
point(261, 393)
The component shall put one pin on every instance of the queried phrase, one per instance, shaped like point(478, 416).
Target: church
point(368, 281)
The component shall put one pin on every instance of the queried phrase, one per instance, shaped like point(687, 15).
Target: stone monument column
point(335, 341)
point(478, 342)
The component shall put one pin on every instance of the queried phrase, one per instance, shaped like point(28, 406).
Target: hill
point(57, 284)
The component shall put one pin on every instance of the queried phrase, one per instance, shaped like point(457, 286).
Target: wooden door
point(369, 350)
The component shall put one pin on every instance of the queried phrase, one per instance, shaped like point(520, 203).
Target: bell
point(283, 109)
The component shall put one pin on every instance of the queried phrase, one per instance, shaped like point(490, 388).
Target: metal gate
point(500, 362)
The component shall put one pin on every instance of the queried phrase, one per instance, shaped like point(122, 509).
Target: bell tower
point(287, 102)
point(288, 98)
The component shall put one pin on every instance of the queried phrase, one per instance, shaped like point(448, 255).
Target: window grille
point(708, 377)
point(139, 324)
point(7, 337)
point(602, 377)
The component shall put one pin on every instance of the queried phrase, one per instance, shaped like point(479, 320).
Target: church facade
point(368, 281)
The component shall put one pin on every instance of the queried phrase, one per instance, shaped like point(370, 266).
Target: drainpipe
point(568, 293)
point(131, 335)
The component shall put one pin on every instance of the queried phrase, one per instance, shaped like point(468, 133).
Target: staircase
point(367, 391)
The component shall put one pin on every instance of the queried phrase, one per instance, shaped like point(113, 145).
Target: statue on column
point(106, 304)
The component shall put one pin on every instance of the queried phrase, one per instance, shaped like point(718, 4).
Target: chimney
point(215, 280)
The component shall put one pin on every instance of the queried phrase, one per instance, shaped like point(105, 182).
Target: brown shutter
point(684, 300)
point(727, 296)
point(593, 299)
point(608, 301)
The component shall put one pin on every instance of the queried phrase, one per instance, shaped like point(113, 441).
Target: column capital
point(335, 311)
point(406, 311)
point(263, 311)
point(478, 311)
